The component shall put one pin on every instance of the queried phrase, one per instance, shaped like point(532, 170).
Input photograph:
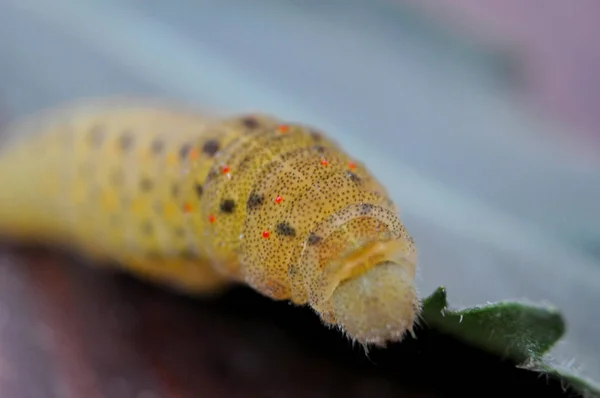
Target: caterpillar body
point(199, 203)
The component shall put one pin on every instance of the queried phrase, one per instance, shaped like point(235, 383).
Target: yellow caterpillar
point(199, 203)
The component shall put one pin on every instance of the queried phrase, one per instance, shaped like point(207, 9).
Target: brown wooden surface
point(67, 330)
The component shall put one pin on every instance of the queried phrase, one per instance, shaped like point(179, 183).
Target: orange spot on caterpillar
point(279, 199)
point(352, 165)
point(194, 153)
point(188, 208)
point(284, 128)
point(266, 234)
point(324, 162)
point(226, 169)
point(212, 218)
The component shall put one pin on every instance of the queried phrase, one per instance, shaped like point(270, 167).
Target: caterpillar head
point(379, 306)
point(369, 291)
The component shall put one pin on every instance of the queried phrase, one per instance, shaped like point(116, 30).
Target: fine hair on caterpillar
point(198, 203)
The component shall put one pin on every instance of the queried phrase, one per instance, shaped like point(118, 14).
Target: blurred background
point(482, 117)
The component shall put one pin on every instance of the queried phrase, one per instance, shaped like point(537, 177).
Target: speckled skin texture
point(197, 203)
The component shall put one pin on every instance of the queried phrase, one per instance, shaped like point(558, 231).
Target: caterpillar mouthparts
point(378, 307)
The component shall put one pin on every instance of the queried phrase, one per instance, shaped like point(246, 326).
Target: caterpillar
point(199, 203)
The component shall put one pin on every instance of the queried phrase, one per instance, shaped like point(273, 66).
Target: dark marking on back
point(157, 146)
point(314, 239)
point(146, 184)
point(285, 229)
point(353, 177)
point(211, 147)
point(212, 174)
point(254, 200)
point(227, 206)
point(366, 208)
point(250, 122)
point(199, 190)
point(126, 140)
point(184, 151)
point(320, 149)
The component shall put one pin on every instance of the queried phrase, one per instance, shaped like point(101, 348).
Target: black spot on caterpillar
point(211, 147)
point(285, 229)
point(126, 140)
point(250, 122)
point(316, 229)
point(157, 146)
point(314, 239)
point(146, 184)
point(352, 176)
point(185, 150)
point(199, 190)
point(255, 200)
point(227, 206)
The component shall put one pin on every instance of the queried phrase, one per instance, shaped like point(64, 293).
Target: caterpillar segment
point(199, 203)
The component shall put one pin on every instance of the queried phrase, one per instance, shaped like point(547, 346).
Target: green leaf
point(584, 386)
point(521, 332)
point(514, 330)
